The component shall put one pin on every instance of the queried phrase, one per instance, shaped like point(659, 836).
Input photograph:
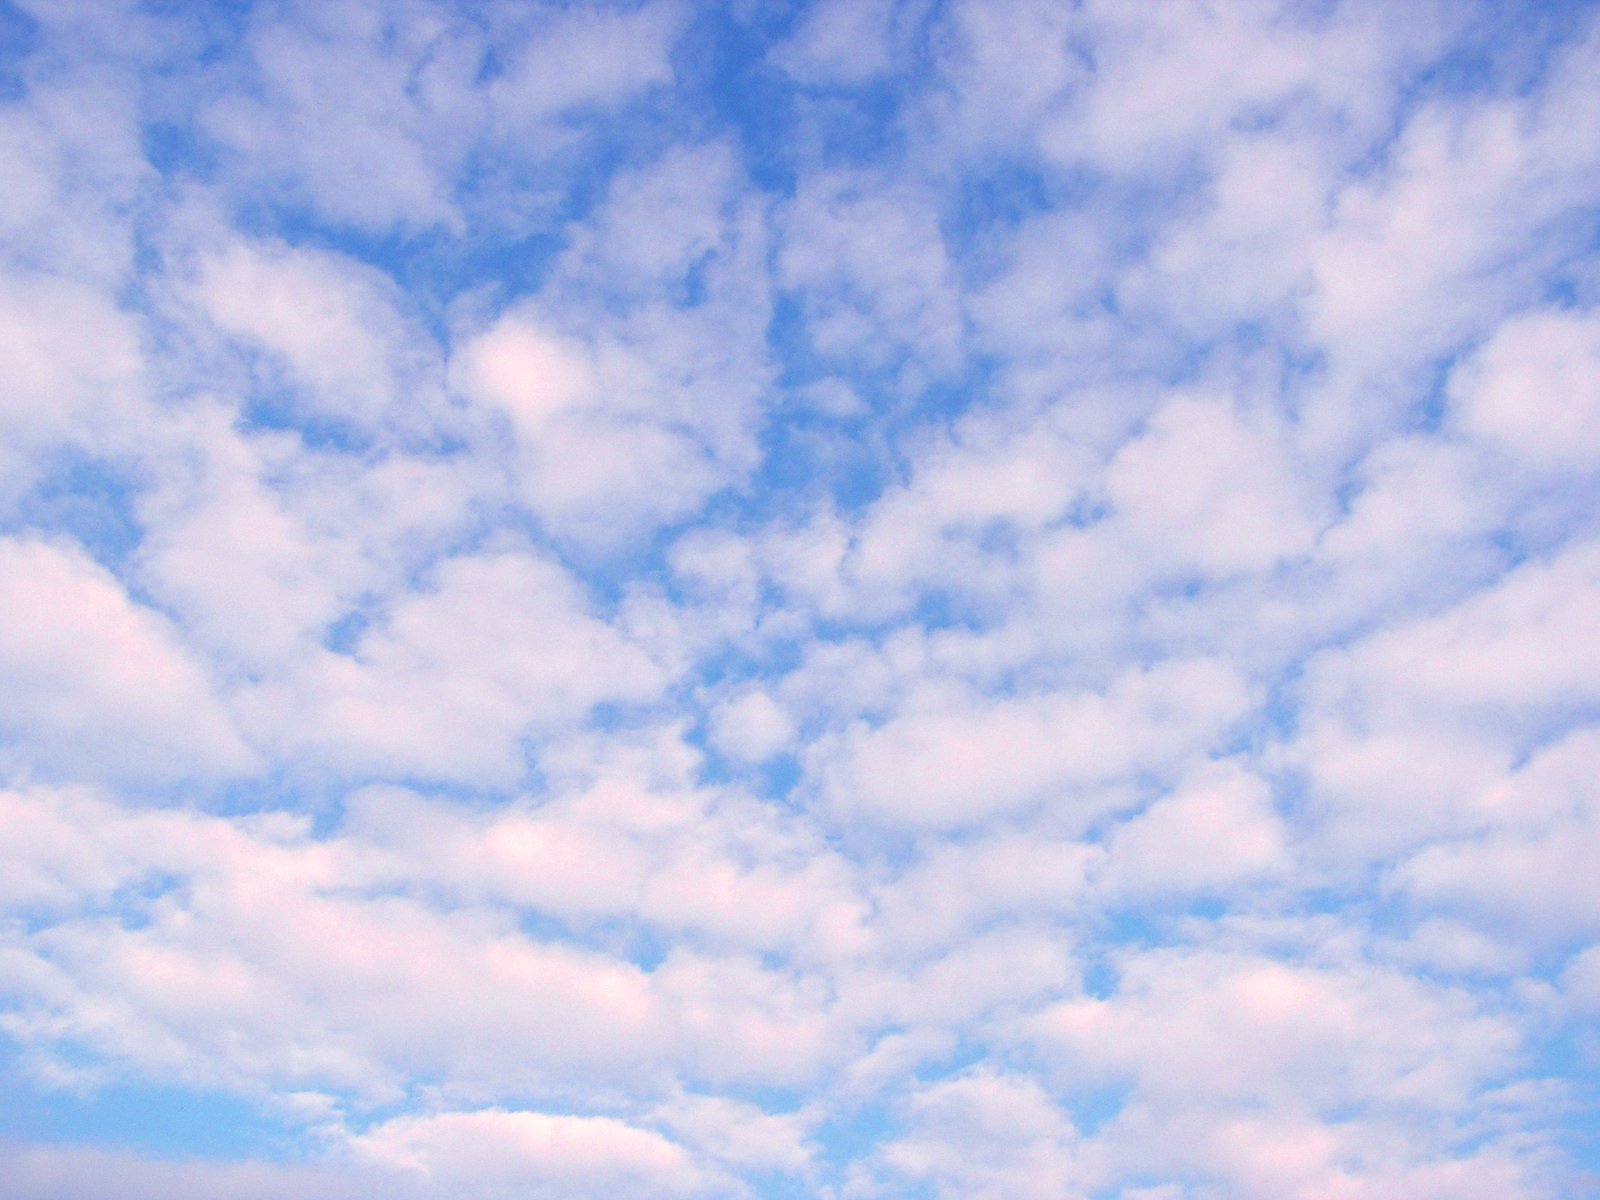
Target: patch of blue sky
point(860, 1128)
point(126, 1111)
point(18, 37)
point(88, 500)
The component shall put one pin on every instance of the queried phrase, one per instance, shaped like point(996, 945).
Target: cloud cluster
point(984, 599)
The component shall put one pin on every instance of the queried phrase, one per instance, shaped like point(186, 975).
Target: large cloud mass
point(985, 599)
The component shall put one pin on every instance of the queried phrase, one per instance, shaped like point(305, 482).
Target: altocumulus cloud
point(964, 599)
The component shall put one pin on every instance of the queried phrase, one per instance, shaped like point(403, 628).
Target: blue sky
point(848, 600)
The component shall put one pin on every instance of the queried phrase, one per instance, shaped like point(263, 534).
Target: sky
point(945, 600)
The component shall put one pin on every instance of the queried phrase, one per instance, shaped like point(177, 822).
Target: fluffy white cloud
point(1200, 481)
point(495, 1152)
point(579, 59)
point(869, 262)
point(752, 727)
point(343, 107)
point(499, 647)
point(739, 1134)
point(253, 574)
point(1216, 831)
point(74, 164)
point(71, 376)
point(330, 322)
point(987, 1136)
point(98, 685)
point(629, 393)
point(958, 760)
point(1272, 1077)
point(842, 42)
point(1531, 389)
point(1442, 239)
point(1521, 869)
point(1405, 730)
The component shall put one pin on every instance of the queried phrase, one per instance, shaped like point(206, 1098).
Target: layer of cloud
point(982, 599)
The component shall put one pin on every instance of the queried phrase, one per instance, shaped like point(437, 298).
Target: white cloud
point(234, 553)
point(1403, 730)
point(987, 1136)
point(495, 1152)
point(957, 760)
point(950, 890)
point(1005, 65)
point(685, 862)
point(54, 865)
point(1216, 831)
point(841, 42)
point(869, 261)
point(487, 1153)
point(1200, 484)
point(1522, 872)
point(350, 357)
point(528, 373)
point(752, 727)
point(499, 646)
point(1242, 257)
point(579, 59)
point(72, 376)
point(69, 1172)
point(632, 381)
point(223, 987)
point(741, 1135)
point(1531, 389)
point(1445, 237)
point(1168, 85)
point(1260, 1030)
point(100, 686)
point(1284, 1078)
point(344, 107)
point(73, 167)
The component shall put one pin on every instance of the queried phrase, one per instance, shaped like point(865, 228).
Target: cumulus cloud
point(1530, 390)
point(949, 765)
point(328, 328)
point(497, 647)
point(72, 376)
point(984, 1134)
point(100, 685)
point(525, 1153)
